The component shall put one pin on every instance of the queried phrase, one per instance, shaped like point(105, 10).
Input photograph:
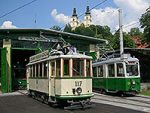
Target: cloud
point(130, 25)
point(7, 24)
point(60, 18)
point(107, 16)
point(135, 6)
point(132, 11)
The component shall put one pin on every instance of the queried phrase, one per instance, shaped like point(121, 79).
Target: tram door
point(111, 80)
point(52, 74)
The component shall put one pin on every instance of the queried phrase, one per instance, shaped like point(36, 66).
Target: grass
point(146, 93)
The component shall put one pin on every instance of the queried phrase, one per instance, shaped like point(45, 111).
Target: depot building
point(17, 45)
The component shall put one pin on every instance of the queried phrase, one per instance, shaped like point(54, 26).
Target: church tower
point(87, 17)
point(74, 20)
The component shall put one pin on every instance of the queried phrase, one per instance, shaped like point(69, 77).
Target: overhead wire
point(93, 7)
point(17, 8)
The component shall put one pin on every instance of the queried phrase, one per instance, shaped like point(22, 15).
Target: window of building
point(111, 70)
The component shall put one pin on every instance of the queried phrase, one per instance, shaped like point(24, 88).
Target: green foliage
point(135, 32)
point(67, 28)
point(146, 93)
point(145, 23)
point(102, 32)
point(128, 42)
point(87, 31)
point(57, 28)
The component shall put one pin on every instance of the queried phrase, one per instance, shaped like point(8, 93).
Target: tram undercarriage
point(67, 104)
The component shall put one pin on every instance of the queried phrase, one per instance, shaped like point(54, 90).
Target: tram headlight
point(79, 90)
point(133, 82)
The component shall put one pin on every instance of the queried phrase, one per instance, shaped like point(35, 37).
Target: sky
point(47, 13)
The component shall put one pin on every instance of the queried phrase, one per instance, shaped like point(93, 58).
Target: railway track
point(140, 103)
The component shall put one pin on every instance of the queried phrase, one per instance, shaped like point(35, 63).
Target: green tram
point(119, 75)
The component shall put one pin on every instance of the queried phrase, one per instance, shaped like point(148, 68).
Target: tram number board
point(78, 83)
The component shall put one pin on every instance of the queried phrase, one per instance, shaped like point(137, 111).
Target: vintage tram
point(117, 74)
point(61, 76)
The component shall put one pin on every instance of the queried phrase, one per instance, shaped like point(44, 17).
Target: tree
point(87, 31)
point(102, 32)
point(128, 42)
point(67, 28)
point(145, 23)
point(135, 32)
point(57, 28)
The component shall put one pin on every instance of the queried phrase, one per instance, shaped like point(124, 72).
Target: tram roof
point(68, 56)
point(51, 32)
point(113, 60)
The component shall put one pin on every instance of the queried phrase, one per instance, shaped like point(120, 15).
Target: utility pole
point(121, 33)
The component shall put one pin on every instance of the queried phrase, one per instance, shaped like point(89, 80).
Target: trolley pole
point(121, 33)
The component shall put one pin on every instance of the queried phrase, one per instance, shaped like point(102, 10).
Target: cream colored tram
point(60, 78)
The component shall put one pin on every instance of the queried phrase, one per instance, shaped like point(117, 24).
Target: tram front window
point(132, 70)
point(78, 67)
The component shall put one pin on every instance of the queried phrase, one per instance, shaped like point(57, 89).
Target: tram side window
point(88, 68)
point(94, 72)
point(58, 67)
point(36, 70)
point(66, 67)
point(53, 68)
point(33, 71)
point(45, 69)
point(30, 71)
point(120, 70)
point(40, 74)
point(78, 67)
point(111, 70)
point(100, 71)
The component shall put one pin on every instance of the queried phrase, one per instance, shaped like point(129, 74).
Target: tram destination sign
point(39, 56)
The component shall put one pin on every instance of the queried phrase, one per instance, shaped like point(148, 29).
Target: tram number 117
point(78, 83)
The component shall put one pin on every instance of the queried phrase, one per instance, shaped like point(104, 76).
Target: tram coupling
point(79, 105)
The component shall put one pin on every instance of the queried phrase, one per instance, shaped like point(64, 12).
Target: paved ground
point(23, 104)
point(140, 103)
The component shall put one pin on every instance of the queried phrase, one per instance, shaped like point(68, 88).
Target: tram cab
point(121, 75)
point(57, 77)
